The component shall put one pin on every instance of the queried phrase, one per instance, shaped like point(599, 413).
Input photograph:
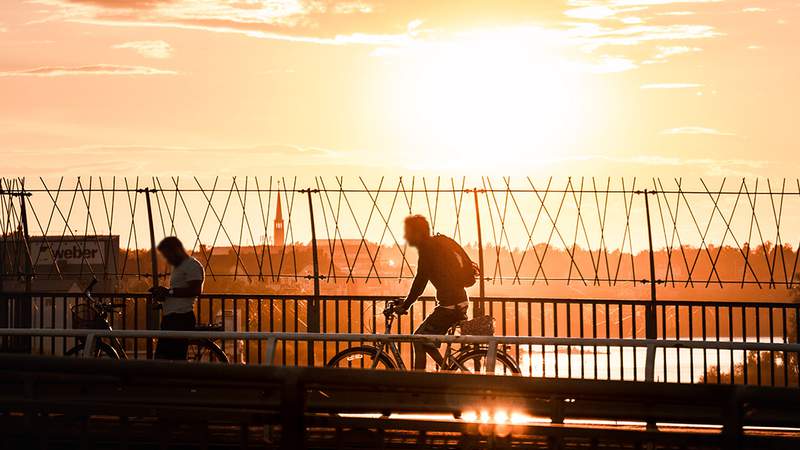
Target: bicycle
point(94, 315)
point(467, 358)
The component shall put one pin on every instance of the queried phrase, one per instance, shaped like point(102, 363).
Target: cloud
point(694, 130)
point(98, 69)
point(148, 49)
point(116, 149)
point(327, 21)
point(659, 160)
point(381, 21)
point(701, 166)
point(124, 4)
point(611, 64)
point(707, 166)
point(671, 86)
point(595, 36)
point(169, 159)
point(593, 12)
point(665, 52)
point(581, 27)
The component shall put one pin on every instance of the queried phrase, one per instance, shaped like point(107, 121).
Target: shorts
point(441, 320)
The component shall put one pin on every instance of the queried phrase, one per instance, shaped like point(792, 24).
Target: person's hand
point(159, 292)
point(400, 309)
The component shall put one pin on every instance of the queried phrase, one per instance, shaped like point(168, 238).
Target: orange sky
point(205, 87)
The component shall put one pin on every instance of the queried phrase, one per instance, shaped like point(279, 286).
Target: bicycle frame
point(449, 358)
point(103, 318)
point(397, 356)
point(103, 311)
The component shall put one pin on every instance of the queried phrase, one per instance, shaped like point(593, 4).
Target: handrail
point(511, 299)
point(359, 337)
point(491, 342)
point(453, 339)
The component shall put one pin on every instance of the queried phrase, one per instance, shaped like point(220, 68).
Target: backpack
point(465, 271)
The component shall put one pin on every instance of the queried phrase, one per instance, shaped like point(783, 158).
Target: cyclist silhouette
point(444, 263)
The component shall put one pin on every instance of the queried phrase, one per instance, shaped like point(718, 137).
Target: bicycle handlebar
point(88, 290)
point(393, 307)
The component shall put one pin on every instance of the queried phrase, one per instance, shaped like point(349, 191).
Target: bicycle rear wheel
point(362, 357)
point(101, 350)
point(474, 361)
point(207, 351)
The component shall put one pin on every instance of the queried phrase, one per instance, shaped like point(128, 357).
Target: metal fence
point(329, 253)
point(581, 232)
point(710, 322)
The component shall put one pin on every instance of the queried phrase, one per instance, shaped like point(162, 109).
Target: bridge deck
point(52, 401)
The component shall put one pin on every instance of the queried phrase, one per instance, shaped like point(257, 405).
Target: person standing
point(185, 285)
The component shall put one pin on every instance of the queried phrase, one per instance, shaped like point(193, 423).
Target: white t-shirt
point(188, 270)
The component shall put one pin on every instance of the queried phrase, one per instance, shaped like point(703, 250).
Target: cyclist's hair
point(418, 222)
point(171, 243)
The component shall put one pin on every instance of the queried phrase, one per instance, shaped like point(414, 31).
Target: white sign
point(68, 252)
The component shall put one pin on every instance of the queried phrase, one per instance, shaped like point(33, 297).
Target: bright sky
point(584, 87)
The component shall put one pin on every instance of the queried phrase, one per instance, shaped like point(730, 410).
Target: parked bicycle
point(94, 314)
point(470, 358)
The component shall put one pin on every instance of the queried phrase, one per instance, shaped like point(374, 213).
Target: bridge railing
point(643, 240)
point(309, 348)
point(601, 321)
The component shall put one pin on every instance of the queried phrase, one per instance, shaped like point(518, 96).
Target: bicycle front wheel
point(363, 357)
point(206, 351)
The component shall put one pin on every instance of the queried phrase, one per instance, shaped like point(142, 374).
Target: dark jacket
point(436, 264)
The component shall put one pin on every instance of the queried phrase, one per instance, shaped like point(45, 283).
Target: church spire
point(278, 232)
point(278, 212)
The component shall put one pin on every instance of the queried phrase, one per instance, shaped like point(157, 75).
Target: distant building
point(350, 257)
point(55, 264)
point(278, 237)
point(59, 263)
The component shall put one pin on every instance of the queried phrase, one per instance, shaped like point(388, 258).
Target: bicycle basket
point(85, 317)
point(479, 326)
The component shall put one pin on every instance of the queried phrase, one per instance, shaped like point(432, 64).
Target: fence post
point(269, 354)
point(150, 315)
point(5, 258)
point(22, 306)
point(479, 309)
point(651, 327)
point(3, 274)
point(491, 356)
point(312, 308)
point(89, 346)
point(26, 236)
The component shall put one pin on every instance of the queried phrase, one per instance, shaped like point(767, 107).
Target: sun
point(492, 97)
